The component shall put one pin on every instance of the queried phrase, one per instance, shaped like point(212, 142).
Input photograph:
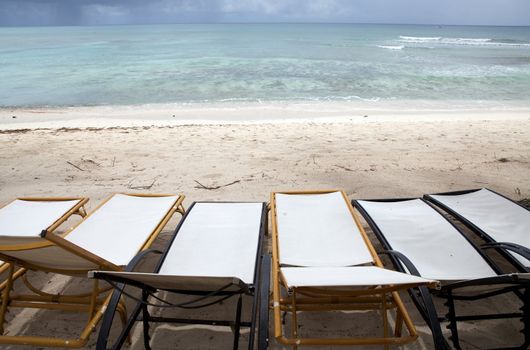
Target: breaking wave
point(389, 47)
point(417, 39)
point(463, 41)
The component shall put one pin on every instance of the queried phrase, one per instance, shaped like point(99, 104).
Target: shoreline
point(164, 115)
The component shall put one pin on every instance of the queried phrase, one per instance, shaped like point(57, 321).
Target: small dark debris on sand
point(75, 166)
point(503, 160)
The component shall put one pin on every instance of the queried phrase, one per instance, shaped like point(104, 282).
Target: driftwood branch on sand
point(201, 186)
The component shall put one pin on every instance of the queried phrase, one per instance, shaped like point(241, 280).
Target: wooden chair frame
point(78, 209)
point(380, 298)
point(93, 303)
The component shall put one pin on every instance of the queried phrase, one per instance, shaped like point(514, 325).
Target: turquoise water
point(123, 65)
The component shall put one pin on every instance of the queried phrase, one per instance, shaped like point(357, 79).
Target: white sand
point(250, 113)
point(383, 155)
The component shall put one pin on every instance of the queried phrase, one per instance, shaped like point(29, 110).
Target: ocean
point(203, 63)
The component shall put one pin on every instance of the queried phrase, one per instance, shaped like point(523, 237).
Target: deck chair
point(502, 223)
point(323, 261)
point(108, 238)
point(420, 241)
point(32, 215)
point(214, 254)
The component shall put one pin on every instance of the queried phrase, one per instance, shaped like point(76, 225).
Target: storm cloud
point(103, 12)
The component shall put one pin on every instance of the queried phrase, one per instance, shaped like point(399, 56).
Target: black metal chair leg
point(428, 311)
point(526, 319)
point(255, 303)
point(237, 325)
point(451, 316)
point(108, 317)
point(423, 301)
point(263, 330)
point(145, 320)
point(127, 328)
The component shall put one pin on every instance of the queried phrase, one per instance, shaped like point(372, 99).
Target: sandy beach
point(382, 154)
point(369, 154)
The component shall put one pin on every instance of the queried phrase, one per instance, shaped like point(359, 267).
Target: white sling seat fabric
point(22, 221)
point(353, 276)
point(24, 218)
point(120, 227)
point(217, 244)
point(498, 217)
point(115, 232)
point(318, 230)
point(216, 240)
point(433, 245)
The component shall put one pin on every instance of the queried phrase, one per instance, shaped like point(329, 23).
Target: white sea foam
point(459, 41)
point(416, 39)
point(389, 47)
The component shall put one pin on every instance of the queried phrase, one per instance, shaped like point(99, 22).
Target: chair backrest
point(23, 220)
point(217, 240)
point(215, 244)
point(113, 233)
point(436, 248)
point(496, 216)
point(27, 218)
point(121, 226)
point(318, 229)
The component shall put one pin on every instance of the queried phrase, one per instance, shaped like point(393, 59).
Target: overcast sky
point(95, 12)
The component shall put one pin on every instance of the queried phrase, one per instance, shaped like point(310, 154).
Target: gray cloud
point(89, 12)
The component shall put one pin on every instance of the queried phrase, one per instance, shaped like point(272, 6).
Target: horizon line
point(258, 23)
